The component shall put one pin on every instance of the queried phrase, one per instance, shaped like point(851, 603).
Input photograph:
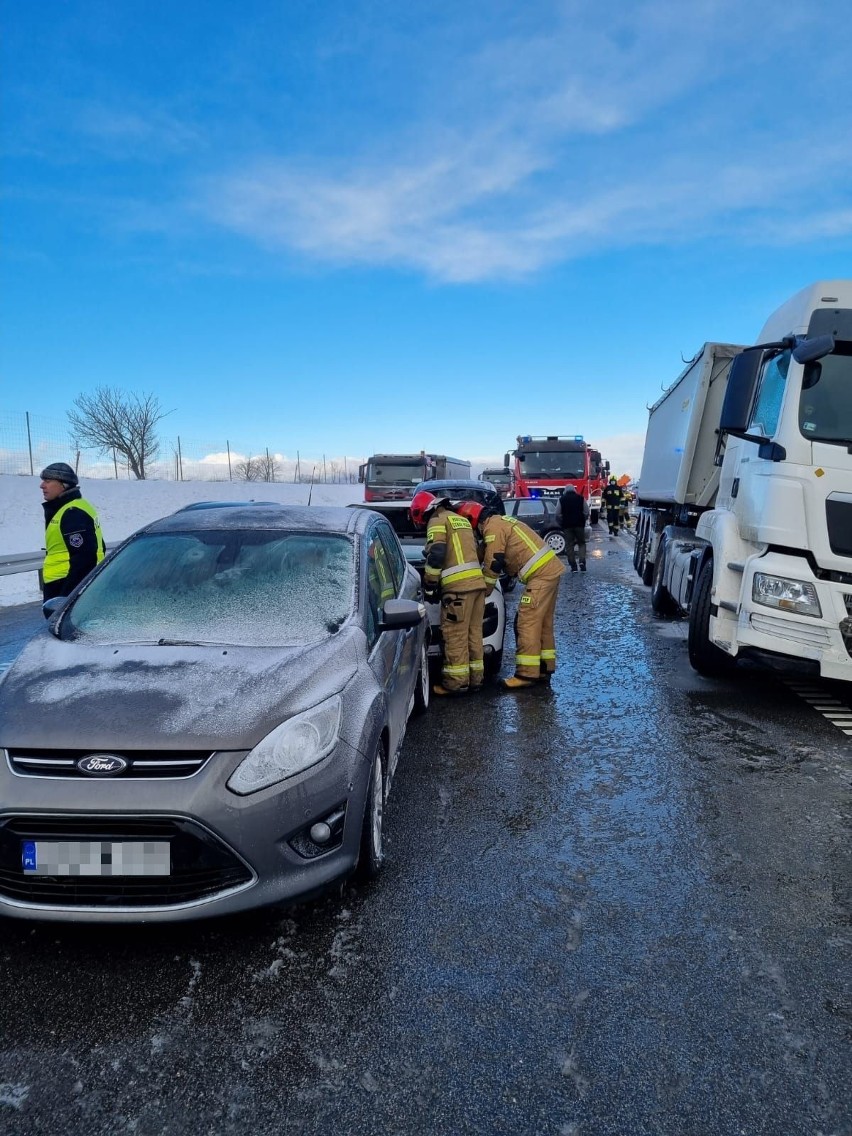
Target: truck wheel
point(661, 601)
point(705, 657)
point(556, 540)
point(643, 542)
point(647, 569)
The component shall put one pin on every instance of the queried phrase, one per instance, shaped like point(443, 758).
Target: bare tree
point(270, 469)
point(111, 421)
point(249, 470)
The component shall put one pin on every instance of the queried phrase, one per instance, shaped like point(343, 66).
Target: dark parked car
point(212, 720)
point(543, 516)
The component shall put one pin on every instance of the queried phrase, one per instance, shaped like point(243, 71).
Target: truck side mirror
point(809, 350)
point(505, 459)
point(739, 394)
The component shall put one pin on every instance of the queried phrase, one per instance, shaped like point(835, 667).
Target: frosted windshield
point(825, 405)
point(252, 588)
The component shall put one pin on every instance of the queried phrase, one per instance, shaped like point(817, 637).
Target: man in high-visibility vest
point(453, 577)
point(513, 549)
point(73, 541)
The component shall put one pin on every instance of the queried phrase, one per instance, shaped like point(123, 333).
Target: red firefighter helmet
point(472, 510)
point(421, 506)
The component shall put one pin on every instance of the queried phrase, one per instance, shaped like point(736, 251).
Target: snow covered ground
point(124, 506)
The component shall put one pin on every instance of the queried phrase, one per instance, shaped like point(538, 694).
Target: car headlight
point(296, 744)
point(787, 595)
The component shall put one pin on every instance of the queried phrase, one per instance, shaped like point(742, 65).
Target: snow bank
point(124, 506)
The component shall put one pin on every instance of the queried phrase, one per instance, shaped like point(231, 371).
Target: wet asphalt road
point(619, 906)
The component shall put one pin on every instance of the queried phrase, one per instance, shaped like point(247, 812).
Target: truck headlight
point(296, 744)
point(786, 595)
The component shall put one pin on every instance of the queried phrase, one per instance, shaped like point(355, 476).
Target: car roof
point(303, 518)
point(221, 505)
point(451, 485)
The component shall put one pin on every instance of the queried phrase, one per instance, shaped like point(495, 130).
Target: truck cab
point(759, 555)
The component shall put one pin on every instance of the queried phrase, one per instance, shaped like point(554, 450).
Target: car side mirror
point(397, 615)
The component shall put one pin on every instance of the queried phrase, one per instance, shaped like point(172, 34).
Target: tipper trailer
point(745, 496)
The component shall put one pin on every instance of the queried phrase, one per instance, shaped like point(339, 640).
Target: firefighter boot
point(442, 692)
point(516, 683)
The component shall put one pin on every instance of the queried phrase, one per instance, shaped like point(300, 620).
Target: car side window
point(530, 507)
point(395, 557)
point(380, 585)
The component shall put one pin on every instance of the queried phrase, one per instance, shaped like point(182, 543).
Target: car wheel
point(705, 657)
point(423, 684)
point(371, 855)
point(556, 540)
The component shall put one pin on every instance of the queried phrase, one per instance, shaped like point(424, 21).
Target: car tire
point(371, 855)
point(555, 539)
point(493, 663)
point(423, 682)
point(705, 657)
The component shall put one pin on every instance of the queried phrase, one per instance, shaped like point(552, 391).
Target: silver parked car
point(212, 720)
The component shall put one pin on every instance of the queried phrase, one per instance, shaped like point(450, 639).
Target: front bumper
point(228, 853)
point(824, 642)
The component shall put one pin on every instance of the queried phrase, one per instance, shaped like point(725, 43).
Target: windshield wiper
point(188, 643)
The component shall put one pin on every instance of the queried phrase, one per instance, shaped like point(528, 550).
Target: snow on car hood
point(68, 695)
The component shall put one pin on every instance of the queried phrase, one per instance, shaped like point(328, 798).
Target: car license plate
point(95, 858)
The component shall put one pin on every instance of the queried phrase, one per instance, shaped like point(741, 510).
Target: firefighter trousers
point(461, 630)
point(612, 519)
point(535, 646)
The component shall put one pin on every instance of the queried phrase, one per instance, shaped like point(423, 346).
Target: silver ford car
point(211, 722)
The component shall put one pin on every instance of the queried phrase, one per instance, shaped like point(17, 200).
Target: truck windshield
point(395, 473)
point(825, 404)
point(553, 463)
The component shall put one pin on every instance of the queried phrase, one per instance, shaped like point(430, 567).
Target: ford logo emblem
point(102, 764)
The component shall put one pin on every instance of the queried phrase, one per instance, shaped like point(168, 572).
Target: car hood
point(69, 695)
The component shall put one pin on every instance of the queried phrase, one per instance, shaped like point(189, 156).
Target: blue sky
point(348, 227)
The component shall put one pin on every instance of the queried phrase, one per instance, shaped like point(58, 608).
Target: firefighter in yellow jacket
point(512, 548)
point(453, 576)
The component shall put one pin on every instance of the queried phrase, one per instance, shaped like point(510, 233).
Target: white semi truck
point(745, 494)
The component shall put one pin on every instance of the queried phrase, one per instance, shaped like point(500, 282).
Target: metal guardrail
point(21, 562)
point(32, 561)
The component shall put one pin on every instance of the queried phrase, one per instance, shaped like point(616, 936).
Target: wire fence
point(29, 442)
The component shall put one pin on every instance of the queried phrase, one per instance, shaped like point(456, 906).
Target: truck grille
point(140, 764)
point(201, 865)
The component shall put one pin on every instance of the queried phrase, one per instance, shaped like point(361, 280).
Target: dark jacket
point(573, 510)
point(612, 496)
point(82, 538)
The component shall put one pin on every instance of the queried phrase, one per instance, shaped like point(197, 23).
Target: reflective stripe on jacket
point(524, 552)
point(57, 559)
point(451, 553)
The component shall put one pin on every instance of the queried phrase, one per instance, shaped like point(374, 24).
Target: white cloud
point(601, 134)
